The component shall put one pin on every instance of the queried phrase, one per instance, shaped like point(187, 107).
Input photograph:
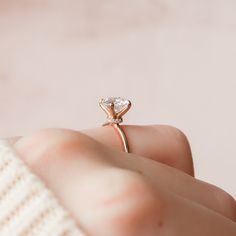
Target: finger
point(170, 146)
point(96, 192)
point(186, 218)
point(72, 157)
point(158, 142)
point(179, 183)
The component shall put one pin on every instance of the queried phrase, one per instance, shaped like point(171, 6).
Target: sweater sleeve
point(27, 207)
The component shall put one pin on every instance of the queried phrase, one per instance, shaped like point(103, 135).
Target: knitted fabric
point(27, 207)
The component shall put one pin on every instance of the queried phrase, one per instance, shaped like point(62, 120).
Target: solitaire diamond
point(120, 104)
point(115, 108)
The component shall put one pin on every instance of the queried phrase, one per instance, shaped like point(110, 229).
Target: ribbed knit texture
point(27, 207)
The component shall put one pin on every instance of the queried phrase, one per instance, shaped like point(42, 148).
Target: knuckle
point(47, 145)
point(176, 133)
point(127, 183)
point(51, 135)
point(128, 204)
point(226, 203)
point(179, 145)
point(173, 133)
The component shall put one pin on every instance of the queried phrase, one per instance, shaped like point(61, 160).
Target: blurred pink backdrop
point(175, 60)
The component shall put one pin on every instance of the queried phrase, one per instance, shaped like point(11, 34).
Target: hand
point(111, 193)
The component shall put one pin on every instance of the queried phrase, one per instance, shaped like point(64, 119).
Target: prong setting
point(115, 108)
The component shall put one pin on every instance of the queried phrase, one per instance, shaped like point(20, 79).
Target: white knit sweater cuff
point(27, 207)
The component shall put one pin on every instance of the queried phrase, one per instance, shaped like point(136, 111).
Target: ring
point(115, 108)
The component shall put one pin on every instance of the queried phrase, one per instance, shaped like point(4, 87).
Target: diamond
point(113, 120)
point(120, 104)
point(115, 108)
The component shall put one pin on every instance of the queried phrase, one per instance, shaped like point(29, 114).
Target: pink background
point(175, 60)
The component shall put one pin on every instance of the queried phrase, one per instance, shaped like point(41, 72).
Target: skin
point(150, 191)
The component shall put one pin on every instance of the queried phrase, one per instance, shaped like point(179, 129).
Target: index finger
point(161, 143)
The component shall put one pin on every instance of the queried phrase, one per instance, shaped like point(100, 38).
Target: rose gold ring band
point(122, 136)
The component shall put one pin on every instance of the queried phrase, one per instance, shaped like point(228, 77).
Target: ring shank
point(122, 136)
